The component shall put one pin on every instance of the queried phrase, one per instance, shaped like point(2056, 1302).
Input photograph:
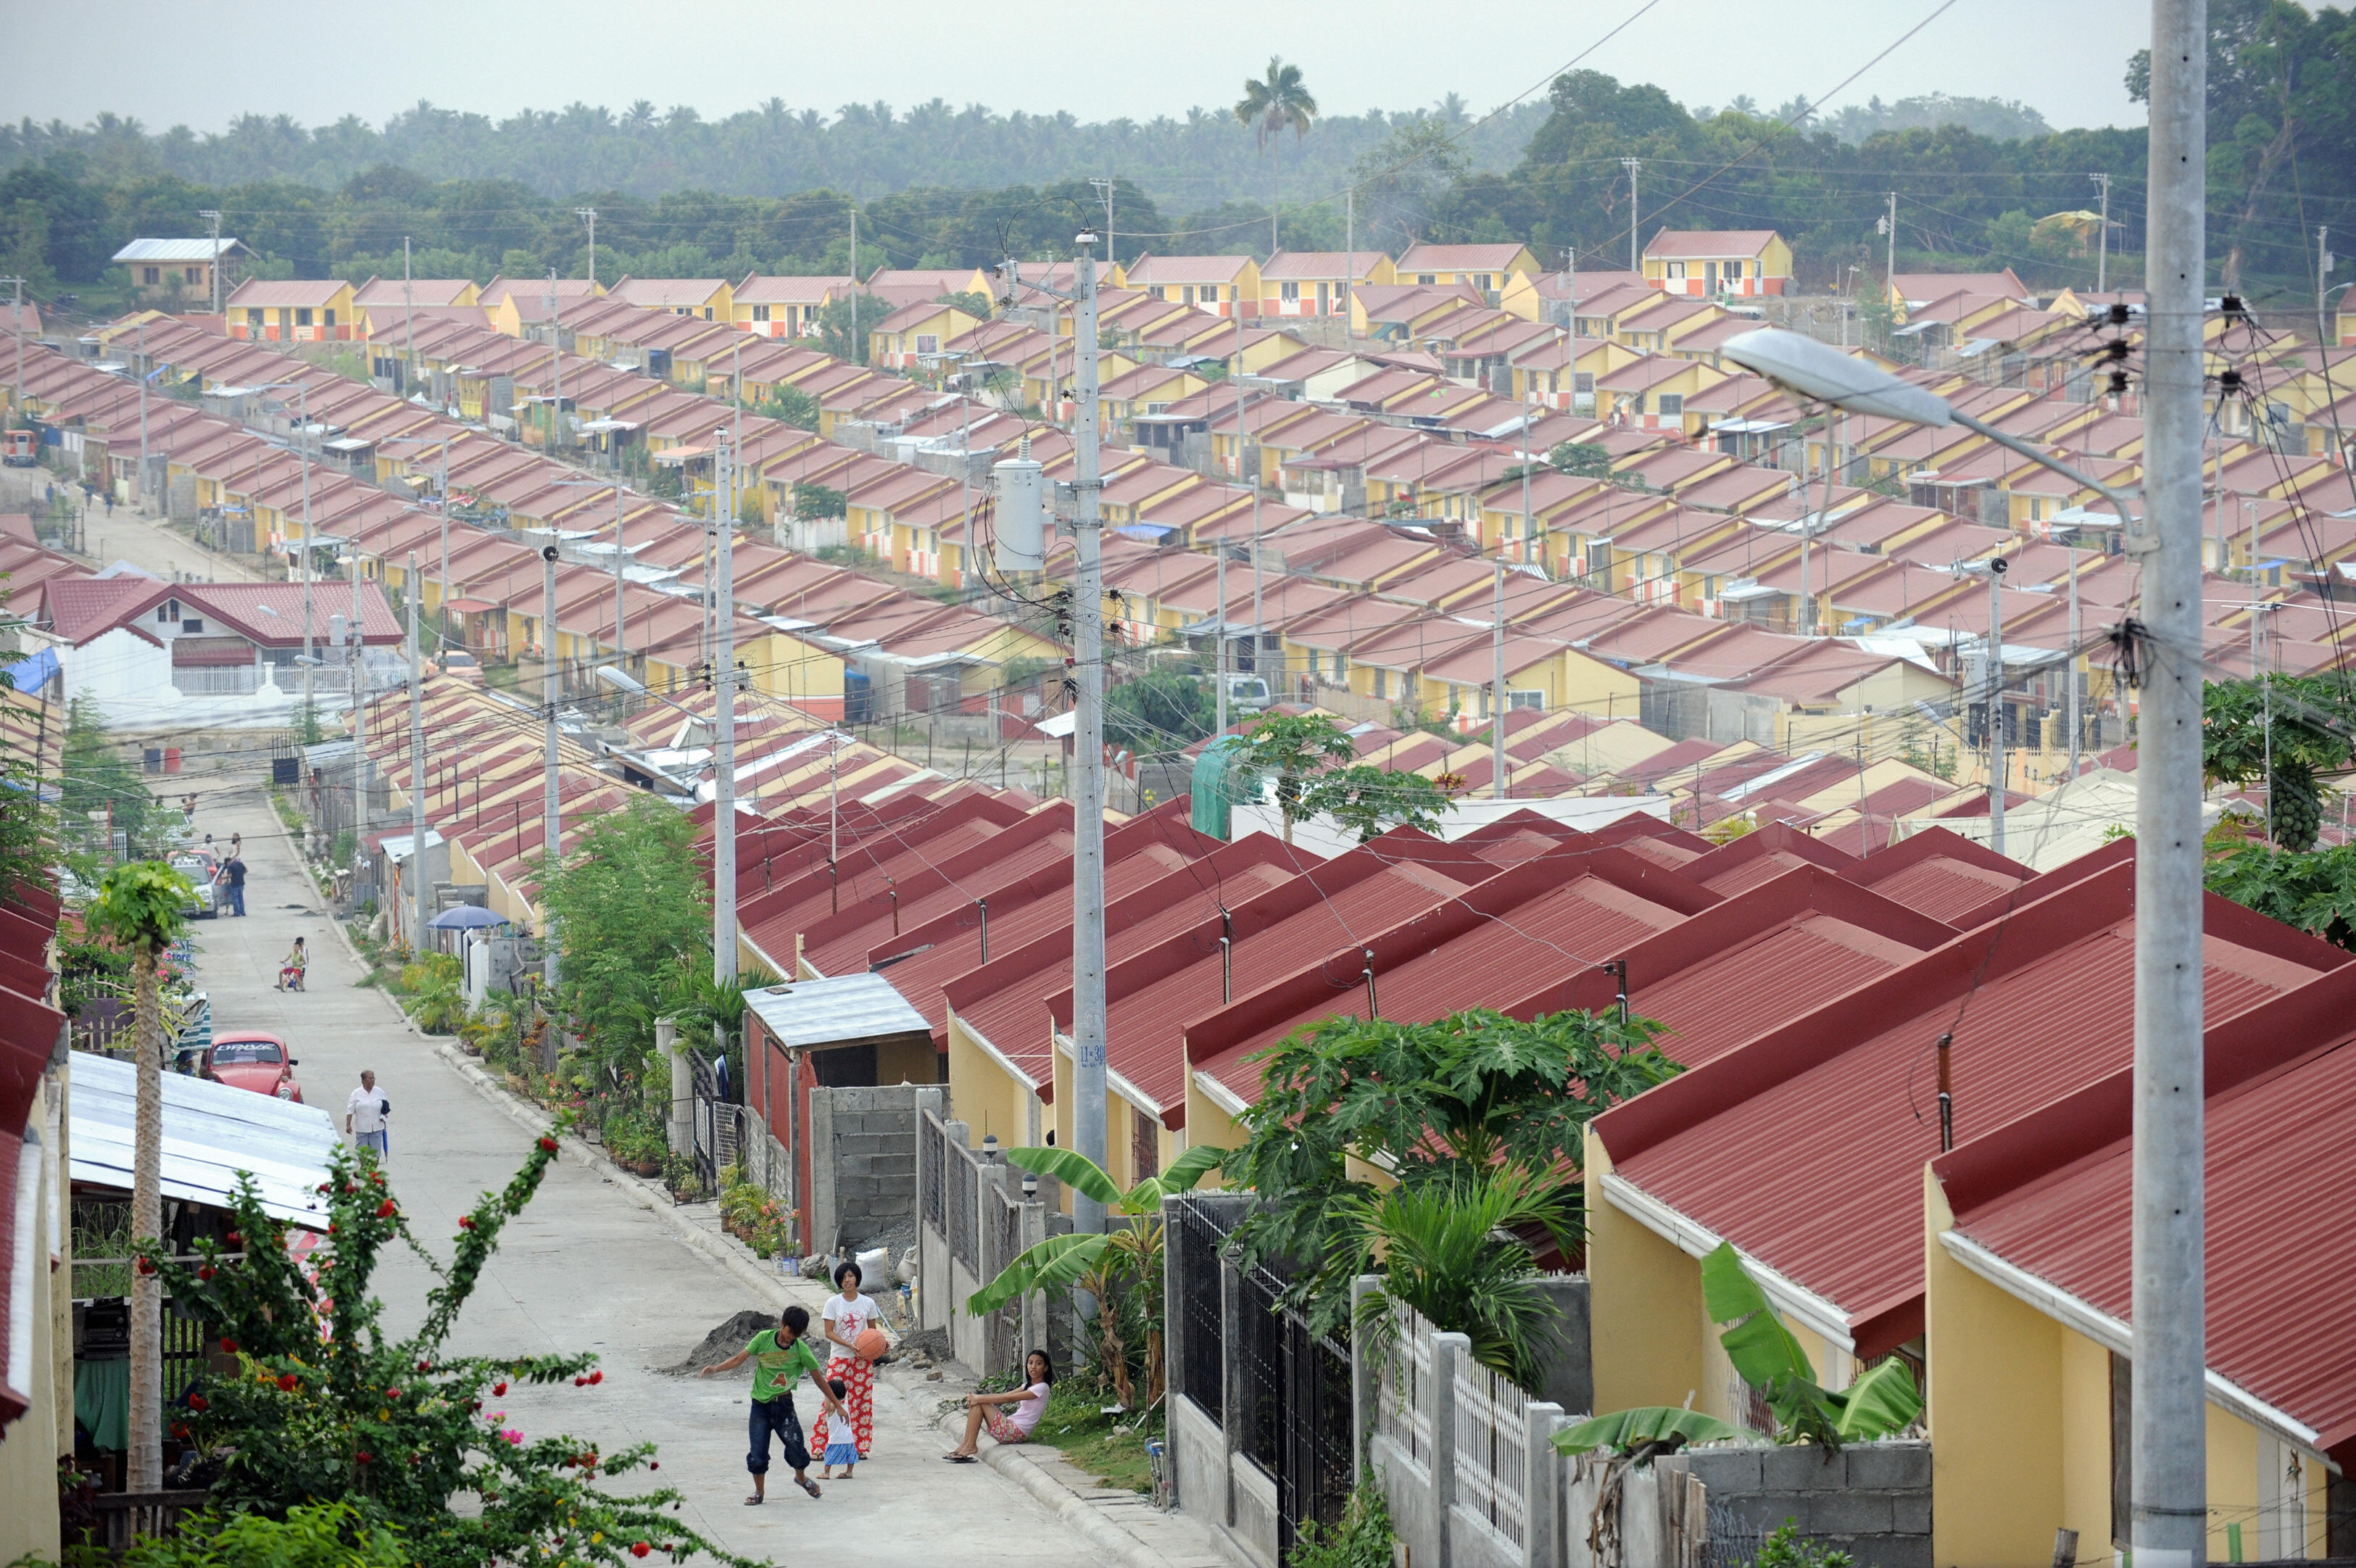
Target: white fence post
point(1541, 1484)
point(1450, 1352)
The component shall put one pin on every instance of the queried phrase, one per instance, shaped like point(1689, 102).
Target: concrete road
point(586, 1267)
point(127, 536)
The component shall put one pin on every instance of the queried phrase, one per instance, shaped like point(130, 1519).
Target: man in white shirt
point(364, 1117)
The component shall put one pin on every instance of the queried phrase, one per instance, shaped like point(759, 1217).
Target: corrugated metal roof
point(181, 250)
point(212, 1135)
point(2055, 1200)
point(2040, 1015)
point(832, 1011)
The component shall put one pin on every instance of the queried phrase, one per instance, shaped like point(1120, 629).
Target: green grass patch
point(1111, 1448)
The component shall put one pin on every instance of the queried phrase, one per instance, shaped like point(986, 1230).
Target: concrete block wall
point(1871, 1500)
point(862, 1162)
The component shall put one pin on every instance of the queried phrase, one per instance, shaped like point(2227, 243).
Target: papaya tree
point(2281, 732)
point(139, 907)
point(1121, 1268)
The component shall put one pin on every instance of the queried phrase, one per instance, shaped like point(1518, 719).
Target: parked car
point(200, 870)
point(247, 1058)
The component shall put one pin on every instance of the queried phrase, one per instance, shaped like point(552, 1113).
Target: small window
point(1186, 294)
point(1673, 406)
point(329, 316)
point(1382, 684)
point(1733, 271)
point(1483, 282)
point(1427, 277)
point(195, 274)
point(155, 274)
point(192, 626)
point(1533, 701)
point(1676, 271)
point(707, 313)
point(760, 313)
point(1291, 292)
point(1145, 1146)
point(303, 315)
point(1583, 382)
point(928, 342)
point(1156, 291)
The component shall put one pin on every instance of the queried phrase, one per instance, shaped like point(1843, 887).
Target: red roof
point(2050, 1194)
point(2039, 1005)
point(1941, 874)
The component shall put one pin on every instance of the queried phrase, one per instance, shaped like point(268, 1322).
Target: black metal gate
point(1312, 1478)
point(717, 1136)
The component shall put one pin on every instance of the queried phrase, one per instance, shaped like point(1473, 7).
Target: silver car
point(204, 904)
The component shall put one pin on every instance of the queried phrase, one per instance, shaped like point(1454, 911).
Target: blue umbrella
point(465, 918)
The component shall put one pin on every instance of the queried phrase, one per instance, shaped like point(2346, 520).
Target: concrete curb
point(777, 1290)
point(1066, 1505)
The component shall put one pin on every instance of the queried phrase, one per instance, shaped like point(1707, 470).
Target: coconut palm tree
point(1268, 105)
point(138, 905)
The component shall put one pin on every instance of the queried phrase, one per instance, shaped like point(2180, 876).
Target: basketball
point(872, 1343)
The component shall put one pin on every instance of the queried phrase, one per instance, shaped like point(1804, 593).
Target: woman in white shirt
point(846, 1316)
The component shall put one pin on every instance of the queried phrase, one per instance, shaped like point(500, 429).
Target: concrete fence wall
point(862, 1162)
point(973, 1220)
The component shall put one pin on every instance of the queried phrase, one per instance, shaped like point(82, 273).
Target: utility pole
point(555, 360)
point(1635, 263)
point(142, 416)
point(589, 215)
point(2168, 1482)
point(551, 828)
point(212, 273)
point(408, 318)
point(2323, 259)
point(2102, 239)
point(621, 606)
point(17, 328)
point(1112, 256)
point(1349, 254)
point(1890, 267)
point(303, 458)
point(723, 728)
point(1259, 618)
point(1497, 787)
point(417, 770)
point(1998, 765)
point(2077, 723)
point(1087, 826)
point(854, 356)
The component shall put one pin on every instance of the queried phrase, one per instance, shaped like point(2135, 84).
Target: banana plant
point(1766, 1355)
point(1111, 1266)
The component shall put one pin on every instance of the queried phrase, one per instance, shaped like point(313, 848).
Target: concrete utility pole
point(143, 419)
point(1087, 799)
point(2077, 681)
point(551, 827)
point(1349, 256)
point(1497, 785)
point(408, 319)
point(1998, 765)
point(2169, 1465)
point(1890, 267)
point(212, 273)
point(2323, 260)
point(2102, 239)
point(723, 728)
point(416, 770)
point(1635, 261)
point(854, 356)
point(16, 330)
point(589, 215)
point(303, 457)
point(1259, 617)
point(555, 361)
point(1112, 256)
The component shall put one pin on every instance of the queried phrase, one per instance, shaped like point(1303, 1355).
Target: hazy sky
point(200, 62)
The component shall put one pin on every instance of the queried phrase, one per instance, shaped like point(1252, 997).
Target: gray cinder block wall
point(862, 1163)
point(1871, 1500)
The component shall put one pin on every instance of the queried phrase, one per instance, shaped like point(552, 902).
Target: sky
point(201, 62)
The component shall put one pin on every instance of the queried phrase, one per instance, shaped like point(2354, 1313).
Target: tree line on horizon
point(938, 188)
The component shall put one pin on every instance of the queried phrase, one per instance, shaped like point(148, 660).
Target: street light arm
point(2135, 544)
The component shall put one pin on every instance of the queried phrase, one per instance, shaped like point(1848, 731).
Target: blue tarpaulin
point(32, 674)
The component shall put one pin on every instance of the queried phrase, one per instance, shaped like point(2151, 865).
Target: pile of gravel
point(721, 1343)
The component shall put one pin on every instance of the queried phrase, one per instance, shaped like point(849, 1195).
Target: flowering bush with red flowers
point(328, 1406)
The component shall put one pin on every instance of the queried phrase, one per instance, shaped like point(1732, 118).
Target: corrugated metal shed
point(839, 1010)
point(212, 1135)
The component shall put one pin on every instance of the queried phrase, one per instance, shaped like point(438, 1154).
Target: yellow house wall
point(1997, 1462)
point(1645, 1306)
point(985, 1096)
point(30, 1449)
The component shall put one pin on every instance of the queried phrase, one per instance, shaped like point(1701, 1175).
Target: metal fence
point(965, 1237)
point(719, 1131)
point(1001, 1225)
point(1318, 1425)
point(1401, 1412)
point(1194, 1240)
point(1492, 1448)
point(932, 1157)
point(1256, 1347)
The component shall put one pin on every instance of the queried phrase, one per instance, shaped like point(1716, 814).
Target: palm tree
point(138, 905)
point(1449, 1251)
point(1268, 105)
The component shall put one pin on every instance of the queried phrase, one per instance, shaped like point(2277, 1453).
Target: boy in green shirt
point(779, 1357)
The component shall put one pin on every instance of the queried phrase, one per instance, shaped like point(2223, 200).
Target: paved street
point(587, 1267)
point(127, 536)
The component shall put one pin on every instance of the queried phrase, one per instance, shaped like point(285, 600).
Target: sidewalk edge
point(1066, 1505)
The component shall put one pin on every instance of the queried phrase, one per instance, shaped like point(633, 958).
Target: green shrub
point(324, 1535)
point(1362, 1539)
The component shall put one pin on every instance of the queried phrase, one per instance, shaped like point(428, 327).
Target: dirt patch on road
point(721, 1343)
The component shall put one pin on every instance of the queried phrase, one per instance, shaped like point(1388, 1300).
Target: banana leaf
point(1624, 1429)
point(1055, 1264)
point(1881, 1401)
point(1183, 1172)
point(1074, 1169)
point(1756, 1341)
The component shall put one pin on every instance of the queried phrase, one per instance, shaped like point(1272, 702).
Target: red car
point(250, 1059)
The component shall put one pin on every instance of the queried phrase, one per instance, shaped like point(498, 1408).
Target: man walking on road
point(364, 1115)
point(233, 876)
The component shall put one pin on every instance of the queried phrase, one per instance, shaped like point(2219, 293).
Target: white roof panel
point(836, 1010)
point(212, 1135)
